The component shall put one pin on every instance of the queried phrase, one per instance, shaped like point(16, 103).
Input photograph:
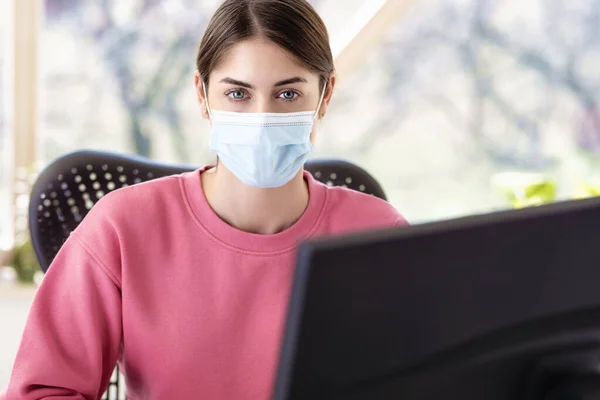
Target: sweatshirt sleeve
point(72, 337)
point(401, 221)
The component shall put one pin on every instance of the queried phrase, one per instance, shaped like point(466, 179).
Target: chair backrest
point(68, 188)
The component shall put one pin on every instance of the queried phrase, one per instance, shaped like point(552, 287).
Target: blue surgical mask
point(264, 150)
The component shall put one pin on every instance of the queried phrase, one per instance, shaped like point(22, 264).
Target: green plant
point(25, 262)
point(526, 190)
point(588, 189)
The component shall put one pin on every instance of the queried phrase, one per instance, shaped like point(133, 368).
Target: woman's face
point(258, 76)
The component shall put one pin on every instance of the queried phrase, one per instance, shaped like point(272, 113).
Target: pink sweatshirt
point(189, 306)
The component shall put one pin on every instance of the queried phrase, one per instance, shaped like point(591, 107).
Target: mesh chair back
point(69, 187)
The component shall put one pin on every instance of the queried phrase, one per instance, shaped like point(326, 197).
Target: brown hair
point(292, 24)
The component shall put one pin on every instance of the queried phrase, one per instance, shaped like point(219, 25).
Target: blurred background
point(457, 107)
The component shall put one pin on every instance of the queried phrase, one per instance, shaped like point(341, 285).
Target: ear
point(198, 83)
point(327, 97)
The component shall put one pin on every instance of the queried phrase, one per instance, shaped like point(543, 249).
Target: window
point(457, 92)
point(118, 76)
point(461, 91)
point(5, 156)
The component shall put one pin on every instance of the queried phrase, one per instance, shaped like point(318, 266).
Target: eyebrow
point(296, 79)
point(289, 81)
point(235, 82)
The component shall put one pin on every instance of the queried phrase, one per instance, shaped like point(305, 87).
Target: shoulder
point(130, 209)
point(125, 219)
point(349, 210)
point(140, 198)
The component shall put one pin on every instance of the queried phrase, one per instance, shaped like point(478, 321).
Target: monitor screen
point(497, 307)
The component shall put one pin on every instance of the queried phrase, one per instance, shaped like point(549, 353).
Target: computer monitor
point(503, 306)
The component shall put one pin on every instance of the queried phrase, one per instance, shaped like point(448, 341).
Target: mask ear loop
point(320, 103)
point(206, 99)
point(316, 117)
point(208, 111)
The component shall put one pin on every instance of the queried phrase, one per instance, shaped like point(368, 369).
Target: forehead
point(260, 61)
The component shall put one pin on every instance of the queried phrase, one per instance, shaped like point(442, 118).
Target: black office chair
point(68, 188)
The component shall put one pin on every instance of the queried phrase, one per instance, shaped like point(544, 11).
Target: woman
point(185, 280)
